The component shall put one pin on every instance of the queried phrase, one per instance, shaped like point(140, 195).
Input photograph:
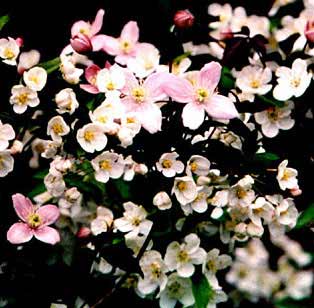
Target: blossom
point(242, 193)
point(140, 98)
point(169, 165)
point(55, 184)
point(275, 118)
point(182, 257)
point(91, 77)
point(57, 128)
point(154, 269)
point(124, 47)
point(286, 177)
point(292, 81)
point(134, 220)
point(184, 189)
point(27, 60)
point(162, 201)
point(183, 19)
point(35, 222)
point(103, 221)
point(66, 101)
point(6, 163)
point(22, 97)
point(6, 133)
point(9, 50)
point(198, 165)
point(177, 289)
point(198, 91)
point(108, 165)
point(261, 209)
point(110, 79)
point(35, 78)
point(254, 80)
point(91, 137)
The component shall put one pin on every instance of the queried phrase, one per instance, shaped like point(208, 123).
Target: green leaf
point(202, 291)
point(178, 59)
point(51, 65)
point(226, 81)
point(306, 217)
point(272, 102)
point(266, 156)
point(40, 174)
point(4, 20)
point(40, 188)
point(123, 188)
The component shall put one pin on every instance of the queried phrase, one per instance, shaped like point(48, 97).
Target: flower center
point(110, 86)
point(34, 79)
point(255, 84)
point(22, 98)
point(241, 193)
point(105, 164)
point(9, 54)
point(34, 220)
point(183, 256)
point(156, 270)
point(102, 119)
point(286, 175)
point(211, 266)
point(126, 46)
point(89, 136)
point(167, 163)
point(295, 82)
point(193, 166)
point(57, 128)
point(202, 94)
point(182, 186)
point(138, 94)
point(136, 221)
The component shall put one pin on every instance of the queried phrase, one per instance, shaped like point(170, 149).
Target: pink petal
point(154, 84)
point(89, 88)
point(130, 32)
point(49, 214)
point(19, 233)
point(77, 26)
point(179, 89)
point(150, 117)
point(48, 235)
point(23, 206)
point(107, 43)
point(130, 82)
point(193, 115)
point(97, 24)
point(91, 72)
point(210, 75)
point(221, 107)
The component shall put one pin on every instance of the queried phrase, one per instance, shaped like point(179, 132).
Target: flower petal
point(97, 24)
point(23, 206)
point(193, 116)
point(221, 107)
point(47, 235)
point(210, 75)
point(49, 213)
point(107, 43)
point(130, 32)
point(19, 233)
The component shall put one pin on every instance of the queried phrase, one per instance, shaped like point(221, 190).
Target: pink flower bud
point(81, 43)
point(83, 232)
point(17, 147)
point(295, 191)
point(309, 31)
point(183, 19)
point(19, 41)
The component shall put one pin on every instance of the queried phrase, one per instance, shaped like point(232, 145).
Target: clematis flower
point(6, 133)
point(35, 222)
point(57, 128)
point(169, 165)
point(198, 90)
point(123, 47)
point(27, 60)
point(35, 78)
point(287, 177)
point(22, 97)
point(9, 50)
point(66, 101)
point(91, 76)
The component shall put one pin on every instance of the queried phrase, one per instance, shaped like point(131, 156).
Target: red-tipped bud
point(19, 41)
point(183, 19)
point(83, 232)
point(309, 31)
point(81, 43)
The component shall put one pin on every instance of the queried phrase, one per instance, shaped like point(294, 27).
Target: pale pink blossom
point(34, 222)
point(91, 77)
point(199, 93)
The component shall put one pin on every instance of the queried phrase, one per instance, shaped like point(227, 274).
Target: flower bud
point(183, 19)
point(19, 41)
point(296, 191)
point(83, 232)
point(162, 201)
point(309, 31)
point(81, 43)
point(17, 147)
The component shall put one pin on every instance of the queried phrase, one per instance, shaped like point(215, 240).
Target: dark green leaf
point(306, 217)
point(266, 156)
point(202, 291)
point(51, 65)
point(4, 20)
point(40, 174)
point(123, 188)
point(272, 102)
point(40, 188)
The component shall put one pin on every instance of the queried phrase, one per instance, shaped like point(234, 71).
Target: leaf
point(51, 65)
point(40, 174)
point(226, 80)
point(306, 217)
point(178, 59)
point(123, 188)
point(266, 156)
point(202, 291)
point(4, 20)
point(40, 188)
point(272, 102)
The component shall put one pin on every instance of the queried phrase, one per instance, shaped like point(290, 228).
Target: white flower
point(242, 193)
point(213, 263)
point(184, 189)
point(198, 165)
point(71, 198)
point(108, 165)
point(35, 78)
point(66, 101)
point(154, 269)
point(182, 257)
point(103, 220)
point(6, 133)
point(261, 209)
point(217, 295)
point(224, 12)
point(162, 201)
point(91, 137)
point(169, 165)
point(287, 177)
point(129, 128)
point(70, 73)
point(134, 220)
point(292, 81)
point(27, 60)
point(275, 118)
point(254, 80)
point(55, 184)
point(57, 128)
point(219, 200)
point(22, 97)
point(111, 79)
point(177, 289)
point(6, 163)
point(9, 50)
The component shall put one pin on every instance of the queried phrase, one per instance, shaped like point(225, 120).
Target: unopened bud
point(183, 19)
point(81, 43)
point(83, 232)
point(309, 31)
point(162, 201)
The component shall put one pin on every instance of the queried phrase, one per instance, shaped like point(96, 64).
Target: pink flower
point(87, 28)
point(123, 47)
point(198, 90)
point(35, 222)
point(309, 31)
point(140, 98)
point(91, 76)
point(183, 19)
